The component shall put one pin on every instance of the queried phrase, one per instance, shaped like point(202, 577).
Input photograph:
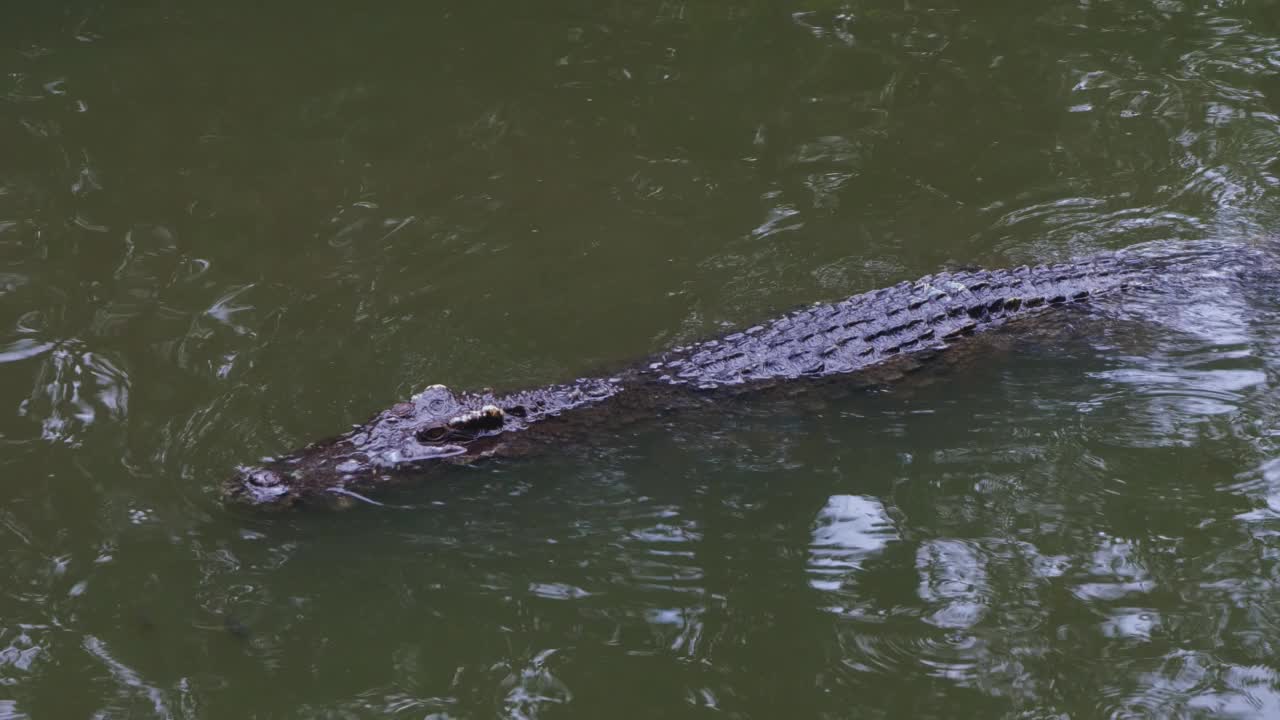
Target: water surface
point(227, 230)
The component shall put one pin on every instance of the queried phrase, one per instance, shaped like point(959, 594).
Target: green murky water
point(227, 230)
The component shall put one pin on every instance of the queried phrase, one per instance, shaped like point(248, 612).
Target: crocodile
point(875, 330)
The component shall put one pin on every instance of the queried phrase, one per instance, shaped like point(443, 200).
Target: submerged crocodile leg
point(871, 337)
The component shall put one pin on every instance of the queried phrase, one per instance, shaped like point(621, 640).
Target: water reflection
point(848, 530)
point(532, 687)
point(952, 580)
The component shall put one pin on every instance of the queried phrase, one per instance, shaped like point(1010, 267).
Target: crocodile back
point(874, 327)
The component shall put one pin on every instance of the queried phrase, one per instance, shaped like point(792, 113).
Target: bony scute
point(489, 417)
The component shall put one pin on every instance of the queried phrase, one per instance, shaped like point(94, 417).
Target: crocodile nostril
point(263, 478)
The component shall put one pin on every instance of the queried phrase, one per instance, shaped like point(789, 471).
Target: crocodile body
point(846, 338)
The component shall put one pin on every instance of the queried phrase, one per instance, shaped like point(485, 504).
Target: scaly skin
point(856, 335)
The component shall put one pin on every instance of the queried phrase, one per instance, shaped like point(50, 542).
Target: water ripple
point(206, 256)
point(73, 385)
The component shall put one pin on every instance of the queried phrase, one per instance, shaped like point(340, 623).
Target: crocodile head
point(434, 426)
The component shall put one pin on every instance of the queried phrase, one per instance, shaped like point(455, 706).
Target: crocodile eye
point(263, 478)
point(435, 433)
